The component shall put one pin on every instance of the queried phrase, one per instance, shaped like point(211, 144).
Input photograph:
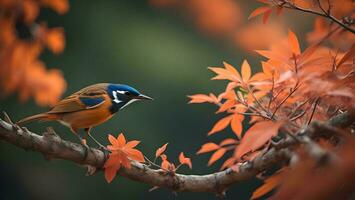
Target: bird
point(89, 107)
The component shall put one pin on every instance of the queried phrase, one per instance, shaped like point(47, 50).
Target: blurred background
point(161, 47)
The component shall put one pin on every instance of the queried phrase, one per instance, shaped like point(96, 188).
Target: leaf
point(226, 106)
point(233, 71)
point(184, 160)
point(208, 147)
point(259, 11)
point(200, 98)
point(347, 56)
point(236, 125)
point(266, 16)
point(121, 140)
point(228, 163)
point(257, 136)
point(216, 156)
point(222, 74)
point(161, 150)
point(269, 184)
point(221, 124)
point(136, 155)
point(110, 174)
point(121, 155)
point(294, 44)
point(132, 144)
point(246, 71)
point(227, 141)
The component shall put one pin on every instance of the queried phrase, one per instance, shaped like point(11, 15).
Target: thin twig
point(313, 111)
point(285, 99)
point(290, 5)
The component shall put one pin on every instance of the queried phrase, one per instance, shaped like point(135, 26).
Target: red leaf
point(257, 136)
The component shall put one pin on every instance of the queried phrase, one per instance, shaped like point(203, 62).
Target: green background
point(155, 51)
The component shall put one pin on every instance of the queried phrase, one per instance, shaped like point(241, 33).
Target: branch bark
point(53, 147)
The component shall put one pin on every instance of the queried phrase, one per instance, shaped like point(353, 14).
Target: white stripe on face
point(114, 94)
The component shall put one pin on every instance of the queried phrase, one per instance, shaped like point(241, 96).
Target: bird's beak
point(142, 96)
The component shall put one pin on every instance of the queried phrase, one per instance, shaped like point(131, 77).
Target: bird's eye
point(127, 93)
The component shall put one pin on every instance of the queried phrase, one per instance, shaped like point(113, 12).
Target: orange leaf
point(135, 154)
point(132, 144)
point(121, 155)
point(184, 160)
point(221, 124)
point(259, 11)
point(347, 56)
point(121, 140)
point(161, 150)
point(236, 125)
point(246, 71)
point(200, 98)
point(216, 156)
point(233, 71)
point(294, 44)
point(227, 105)
point(228, 163)
point(228, 141)
point(257, 136)
point(110, 174)
point(208, 147)
point(269, 184)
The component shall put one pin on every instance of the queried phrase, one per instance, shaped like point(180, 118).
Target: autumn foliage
point(295, 87)
point(302, 79)
point(21, 70)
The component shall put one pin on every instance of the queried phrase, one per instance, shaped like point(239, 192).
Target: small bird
point(89, 107)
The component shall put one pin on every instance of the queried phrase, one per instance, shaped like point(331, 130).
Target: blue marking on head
point(121, 95)
point(122, 87)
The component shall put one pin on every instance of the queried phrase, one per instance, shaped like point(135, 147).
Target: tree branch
point(53, 147)
point(324, 13)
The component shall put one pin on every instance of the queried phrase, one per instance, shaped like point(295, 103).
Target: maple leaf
point(257, 136)
point(122, 153)
point(161, 150)
point(184, 160)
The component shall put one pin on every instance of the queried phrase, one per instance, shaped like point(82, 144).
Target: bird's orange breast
point(88, 118)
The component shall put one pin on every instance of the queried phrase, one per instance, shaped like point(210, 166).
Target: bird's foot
point(86, 150)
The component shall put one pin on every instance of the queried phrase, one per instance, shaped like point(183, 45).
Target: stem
point(290, 5)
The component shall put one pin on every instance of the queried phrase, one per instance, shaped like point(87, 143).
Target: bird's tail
point(39, 117)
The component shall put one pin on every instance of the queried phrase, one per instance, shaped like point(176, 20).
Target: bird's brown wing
point(87, 98)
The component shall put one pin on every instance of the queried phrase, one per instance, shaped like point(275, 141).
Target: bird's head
point(123, 95)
